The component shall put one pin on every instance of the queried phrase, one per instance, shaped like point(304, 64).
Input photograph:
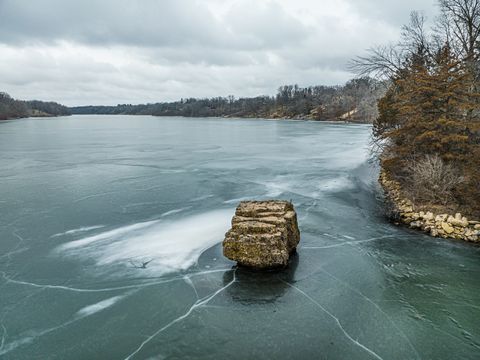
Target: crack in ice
point(16, 249)
point(189, 281)
point(197, 304)
point(432, 302)
point(347, 335)
point(127, 287)
point(92, 309)
point(81, 314)
point(4, 336)
point(376, 306)
point(93, 196)
point(349, 243)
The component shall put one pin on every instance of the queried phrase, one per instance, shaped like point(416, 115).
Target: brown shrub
point(432, 181)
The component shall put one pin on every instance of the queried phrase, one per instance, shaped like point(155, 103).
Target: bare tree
point(460, 22)
point(388, 61)
point(381, 62)
point(458, 25)
point(415, 36)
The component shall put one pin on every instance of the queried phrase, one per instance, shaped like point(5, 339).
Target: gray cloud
point(393, 12)
point(88, 51)
point(146, 23)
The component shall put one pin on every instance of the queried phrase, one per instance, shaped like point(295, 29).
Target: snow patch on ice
point(167, 246)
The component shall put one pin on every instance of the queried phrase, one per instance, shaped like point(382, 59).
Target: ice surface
point(163, 190)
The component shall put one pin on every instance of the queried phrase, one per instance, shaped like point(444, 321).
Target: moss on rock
point(263, 234)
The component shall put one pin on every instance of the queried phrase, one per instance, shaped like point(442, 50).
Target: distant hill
point(354, 101)
point(14, 109)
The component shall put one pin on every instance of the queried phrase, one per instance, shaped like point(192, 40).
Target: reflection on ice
point(171, 246)
point(253, 287)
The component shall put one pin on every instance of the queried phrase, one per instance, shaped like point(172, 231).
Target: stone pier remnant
point(263, 235)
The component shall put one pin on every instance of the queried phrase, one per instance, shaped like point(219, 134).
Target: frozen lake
point(85, 200)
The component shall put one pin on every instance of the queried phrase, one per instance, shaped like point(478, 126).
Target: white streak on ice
point(93, 196)
point(347, 335)
point(203, 197)
point(172, 245)
point(79, 230)
point(81, 314)
point(176, 211)
point(102, 305)
point(236, 201)
point(106, 235)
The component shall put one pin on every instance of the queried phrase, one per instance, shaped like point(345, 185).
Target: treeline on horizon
point(428, 129)
point(15, 109)
point(354, 101)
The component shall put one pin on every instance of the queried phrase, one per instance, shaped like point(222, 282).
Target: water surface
point(85, 201)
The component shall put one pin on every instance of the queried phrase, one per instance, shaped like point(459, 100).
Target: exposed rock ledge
point(263, 234)
point(439, 225)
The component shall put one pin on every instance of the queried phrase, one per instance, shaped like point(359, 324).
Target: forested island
point(16, 109)
point(427, 134)
point(354, 101)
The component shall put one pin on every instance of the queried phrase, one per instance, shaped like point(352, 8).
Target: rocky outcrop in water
point(448, 226)
point(263, 234)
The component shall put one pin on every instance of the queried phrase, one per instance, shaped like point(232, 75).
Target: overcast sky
point(125, 51)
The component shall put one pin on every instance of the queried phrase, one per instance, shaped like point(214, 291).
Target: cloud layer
point(125, 51)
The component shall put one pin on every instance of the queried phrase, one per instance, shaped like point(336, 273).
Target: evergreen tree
point(431, 110)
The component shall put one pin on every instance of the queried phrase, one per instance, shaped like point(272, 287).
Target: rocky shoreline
point(448, 226)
